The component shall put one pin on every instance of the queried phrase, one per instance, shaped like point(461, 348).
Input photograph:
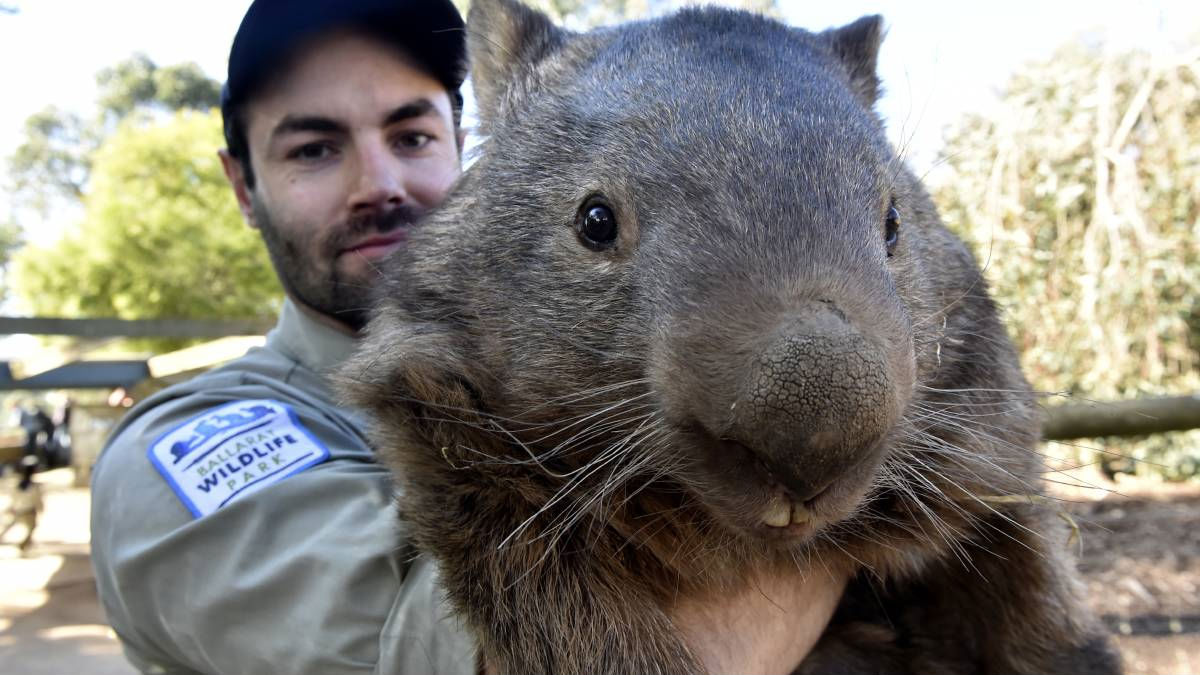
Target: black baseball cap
point(431, 32)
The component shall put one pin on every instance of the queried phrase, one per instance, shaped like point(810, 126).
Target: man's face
point(349, 145)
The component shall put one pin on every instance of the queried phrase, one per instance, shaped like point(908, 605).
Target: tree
point(53, 165)
point(138, 82)
point(54, 160)
point(10, 240)
point(161, 236)
point(1083, 194)
point(126, 85)
point(184, 86)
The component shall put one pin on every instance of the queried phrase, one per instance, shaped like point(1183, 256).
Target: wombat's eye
point(597, 225)
point(891, 231)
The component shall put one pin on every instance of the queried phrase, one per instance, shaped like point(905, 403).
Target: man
point(37, 426)
point(26, 503)
point(240, 523)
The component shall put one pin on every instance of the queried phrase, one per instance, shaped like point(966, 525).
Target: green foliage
point(54, 165)
point(1082, 195)
point(126, 85)
point(184, 86)
point(162, 236)
point(139, 82)
point(10, 240)
point(53, 161)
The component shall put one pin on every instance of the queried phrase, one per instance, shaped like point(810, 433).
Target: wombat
point(689, 316)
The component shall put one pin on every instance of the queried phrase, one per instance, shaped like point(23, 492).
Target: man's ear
point(506, 40)
point(237, 180)
point(856, 45)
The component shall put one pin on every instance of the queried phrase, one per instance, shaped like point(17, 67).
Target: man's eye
point(413, 140)
point(311, 152)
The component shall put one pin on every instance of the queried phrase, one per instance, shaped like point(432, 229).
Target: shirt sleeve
point(306, 575)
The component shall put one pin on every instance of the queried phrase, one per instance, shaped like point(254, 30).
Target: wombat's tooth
point(800, 514)
point(779, 513)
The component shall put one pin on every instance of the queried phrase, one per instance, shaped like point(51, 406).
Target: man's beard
point(299, 263)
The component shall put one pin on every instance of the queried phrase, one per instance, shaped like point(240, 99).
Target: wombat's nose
point(816, 403)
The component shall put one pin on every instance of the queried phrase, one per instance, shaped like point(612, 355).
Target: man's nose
point(380, 179)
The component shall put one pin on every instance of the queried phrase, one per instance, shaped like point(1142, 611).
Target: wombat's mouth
point(742, 492)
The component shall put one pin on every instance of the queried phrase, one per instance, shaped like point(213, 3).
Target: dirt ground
point(1141, 563)
point(50, 620)
point(1140, 560)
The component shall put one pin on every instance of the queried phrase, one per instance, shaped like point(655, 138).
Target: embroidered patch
point(234, 450)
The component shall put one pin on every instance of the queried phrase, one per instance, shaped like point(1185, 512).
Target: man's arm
point(302, 576)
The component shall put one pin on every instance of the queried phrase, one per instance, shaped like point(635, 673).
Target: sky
point(939, 59)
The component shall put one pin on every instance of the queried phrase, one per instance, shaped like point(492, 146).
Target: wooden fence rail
point(1137, 417)
point(94, 328)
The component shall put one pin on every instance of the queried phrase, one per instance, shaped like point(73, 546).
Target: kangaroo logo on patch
point(234, 450)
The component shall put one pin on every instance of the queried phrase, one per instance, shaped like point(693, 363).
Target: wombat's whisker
point(933, 429)
point(566, 521)
point(552, 404)
point(581, 439)
point(652, 448)
point(443, 407)
point(1110, 453)
point(611, 454)
point(928, 444)
point(978, 431)
point(598, 427)
point(989, 390)
point(992, 410)
point(960, 462)
point(622, 448)
point(592, 392)
point(619, 447)
point(907, 487)
point(968, 494)
point(594, 500)
point(871, 515)
point(495, 420)
point(935, 520)
point(594, 415)
point(558, 496)
point(651, 455)
point(932, 490)
point(922, 439)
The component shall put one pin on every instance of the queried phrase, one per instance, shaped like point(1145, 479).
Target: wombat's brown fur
point(689, 316)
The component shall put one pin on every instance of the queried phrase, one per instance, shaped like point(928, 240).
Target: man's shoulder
point(258, 420)
point(261, 373)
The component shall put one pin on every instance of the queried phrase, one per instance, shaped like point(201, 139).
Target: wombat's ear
point(505, 38)
point(857, 46)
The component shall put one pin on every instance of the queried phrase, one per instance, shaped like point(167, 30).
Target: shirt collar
point(313, 344)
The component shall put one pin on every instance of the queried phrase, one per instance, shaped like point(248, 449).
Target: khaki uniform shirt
point(240, 524)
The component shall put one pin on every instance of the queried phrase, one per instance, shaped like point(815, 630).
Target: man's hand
point(765, 628)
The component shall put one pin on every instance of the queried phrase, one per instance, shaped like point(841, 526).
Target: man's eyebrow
point(295, 124)
point(417, 108)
